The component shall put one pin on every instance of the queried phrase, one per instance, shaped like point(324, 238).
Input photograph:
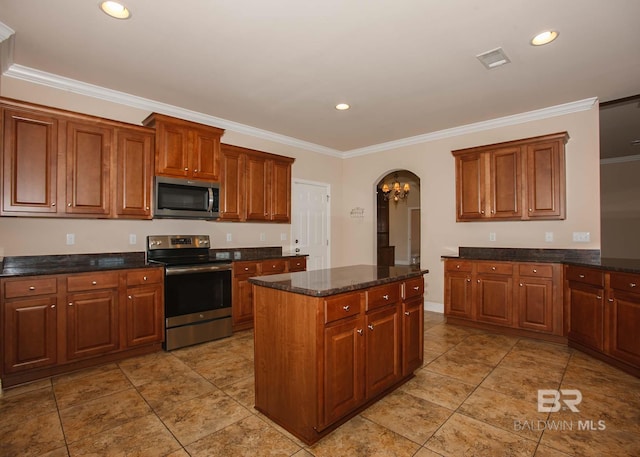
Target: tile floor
point(475, 395)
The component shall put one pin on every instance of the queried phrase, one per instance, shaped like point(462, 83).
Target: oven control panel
point(177, 241)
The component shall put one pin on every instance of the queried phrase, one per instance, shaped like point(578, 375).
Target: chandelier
point(395, 190)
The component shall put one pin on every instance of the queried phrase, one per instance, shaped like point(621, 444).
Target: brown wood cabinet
point(57, 323)
point(351, 348)
point(242, 292)
point(62, 164)
point(185, 149)
point(604, 309)
point(256, 186)
point(524, 297)
point(516, 180)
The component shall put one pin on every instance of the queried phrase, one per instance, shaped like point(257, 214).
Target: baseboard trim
point(434, 307)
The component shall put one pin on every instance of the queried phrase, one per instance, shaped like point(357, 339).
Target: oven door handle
point(177, 270)
point(210, 205)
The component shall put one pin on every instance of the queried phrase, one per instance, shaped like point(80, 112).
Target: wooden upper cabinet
point(258, 201)
point(517, 180)
point(30, 155)
point(88, 168)
point(281, 190)
point(185, 149)
point(232, 183)
point(134, 164)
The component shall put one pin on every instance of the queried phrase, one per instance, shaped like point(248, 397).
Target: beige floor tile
point(153, 367)
point(178, 453)
point(487, 354)
point(544, 451)
point(60, 452)
point(104, 413)
point(588, 443)
point(541, 353)
point(145, 436)
point(463, 436)
point(438, 389)
point(424, 452)
point(84, 373)
point(225, 371)
point(504, 412)
point(242, 391)
point(31, 403)
point(180, 388)
point(32, 436)
point(461, 367)
point(79, 389)
point(24, 388)
point(517, 384)
point(527, 366)
point(302, 453)
point(361, 437)
point(412, 417)
point(196, 418)
point(250, 436)
point(607, 380)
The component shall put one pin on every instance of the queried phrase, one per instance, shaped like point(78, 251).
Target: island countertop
point(332, 281)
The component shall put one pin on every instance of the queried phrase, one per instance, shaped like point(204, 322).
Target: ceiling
point(406, 67)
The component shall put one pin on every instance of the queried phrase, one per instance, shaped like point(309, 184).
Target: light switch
point(229, 237)
point(132, 238)
point(71, 239)
point(492, 236)
point(548, 237)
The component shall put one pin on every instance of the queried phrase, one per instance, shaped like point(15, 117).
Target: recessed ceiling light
point(342, 106)
point(544, 38)
point(115, 9)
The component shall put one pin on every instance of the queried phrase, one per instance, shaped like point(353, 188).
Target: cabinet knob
point(32, 288)
point(493, 268)
point(478, 281)
point(186, 169)
point(386, 297)
point(53, 204)
point(69, 205)
point(611, 300)
point(360, 332)
point(632, 284)
point(130, 297)
point(482, 212)
point(70, 303)
point(370, 326)
point(94, 282)
point(346, 308)
point(416, 288)
point(521, 285)
point(144, 278)
point(195, 171)
point(458, 267)
point(468, 279)
point(535, 271)
point(147, 208)
point(53, 306)
point(599, 297)
point(406, 313)
point(493, 211)
point(246, 268)
point(530, 210)
point(581, 276)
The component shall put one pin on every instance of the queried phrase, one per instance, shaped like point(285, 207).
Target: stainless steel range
point(197, 289)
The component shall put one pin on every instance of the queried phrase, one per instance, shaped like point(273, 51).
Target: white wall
point(433, 163)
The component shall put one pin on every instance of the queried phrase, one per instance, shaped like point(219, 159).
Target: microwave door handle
point(210, 206)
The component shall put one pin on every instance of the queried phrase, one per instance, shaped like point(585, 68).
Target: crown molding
point(529, 116)
point(5, 31)
point(71, 85)
point(623, 159)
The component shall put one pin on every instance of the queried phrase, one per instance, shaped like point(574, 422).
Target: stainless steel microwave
point(178, 198)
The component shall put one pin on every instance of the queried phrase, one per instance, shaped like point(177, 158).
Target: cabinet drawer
point(414, 287)
point(274, 266)
point(586, 275)
point(536, 270)
point(298, 264)
point(499, 268)
point(627, 282)
point(341, 306)
point(141, 277)
point(30, 287)
point(458, 265)
point(245, 268)
point(383, 295)
point(92, 281)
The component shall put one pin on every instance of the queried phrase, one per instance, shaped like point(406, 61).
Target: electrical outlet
point(132, 238)
point(71, 239)
point(581, 237)
point(492, 236)
point(229, 237)
point(263, 236)
point(548, 237)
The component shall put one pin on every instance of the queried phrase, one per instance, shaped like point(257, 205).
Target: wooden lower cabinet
point(523, 297)
point(347, 350)
point(605, 315)
point(57, 323)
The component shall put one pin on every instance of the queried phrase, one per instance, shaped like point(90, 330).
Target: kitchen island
point(328, 343)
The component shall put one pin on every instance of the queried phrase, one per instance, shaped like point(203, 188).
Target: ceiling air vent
point(494, 58)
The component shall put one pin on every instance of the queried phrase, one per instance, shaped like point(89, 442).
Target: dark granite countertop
point(577, 257)
point(332, 281)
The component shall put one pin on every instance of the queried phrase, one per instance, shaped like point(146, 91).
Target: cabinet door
point(172, 150)
point(343, 368)
point(92, 323)
point(505, 174)
point(205, 154)
point(545, 180)
point(258, 201)
point(242, 303)
point(135, 174)
point(232, 185)
point(458, 298)
point(494, 299)
point(280, 191)
point(88, 168)
point(30, 154)
point(144, 316)
point(412, 335)
point(30, 332)
point(624, 330)
point(382, 338)
point(470, 186)
point(586, 324)
point(535, 304)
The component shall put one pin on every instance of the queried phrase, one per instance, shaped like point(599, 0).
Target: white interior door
point(310, 222)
